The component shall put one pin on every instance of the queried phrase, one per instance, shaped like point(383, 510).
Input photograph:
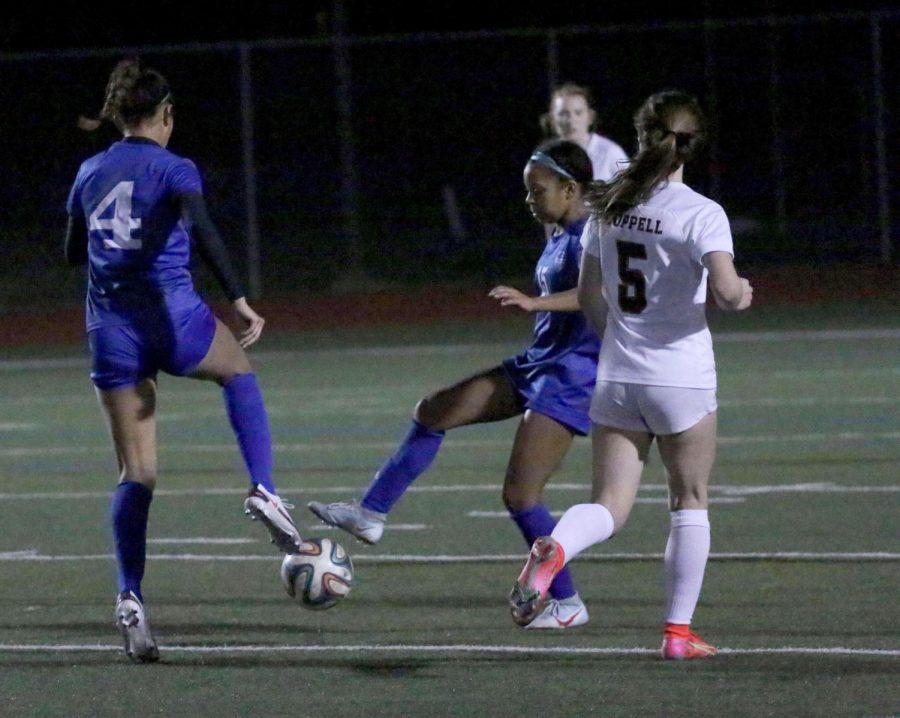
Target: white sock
point(581, 526)
point(686, 555)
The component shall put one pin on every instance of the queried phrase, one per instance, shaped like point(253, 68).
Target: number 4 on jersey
point(113, 214)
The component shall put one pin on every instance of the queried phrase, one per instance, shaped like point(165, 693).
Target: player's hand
point(747, 297)
point(511, 297)
point(255, 323)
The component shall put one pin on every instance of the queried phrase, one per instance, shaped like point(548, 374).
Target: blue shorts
point(126, 354)
point(555, 390)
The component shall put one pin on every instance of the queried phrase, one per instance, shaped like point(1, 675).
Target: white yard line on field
point(387, 527)
point(808, 401)
point(293, 491)
point(311, 405)
point(203, 540)
point(33, 556)
point(812, 335)
point(806, 335)
point(655, 500)
point(381, 446)
point(445, 648)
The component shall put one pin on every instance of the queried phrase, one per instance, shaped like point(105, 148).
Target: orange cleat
point(529, 595)
point(681, 644)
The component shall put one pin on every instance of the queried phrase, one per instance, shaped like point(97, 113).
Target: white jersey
point(606, 157)
point(655, 284)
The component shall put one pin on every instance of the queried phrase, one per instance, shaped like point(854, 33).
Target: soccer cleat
point(685, 646)
point(529, 595)
point(273, 512)
point(131, 621)
point(353, 517)
point(566, 613)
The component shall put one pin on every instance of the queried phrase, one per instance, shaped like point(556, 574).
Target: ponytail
point(671, 131)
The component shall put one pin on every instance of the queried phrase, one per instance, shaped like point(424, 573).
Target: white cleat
point(273, 512)
point(140, 646)
point(567, 613)
point(352, 517)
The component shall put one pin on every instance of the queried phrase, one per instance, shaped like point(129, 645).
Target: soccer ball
point(319, 574)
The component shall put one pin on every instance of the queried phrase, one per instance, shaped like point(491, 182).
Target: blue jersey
point(560, 336)
point(556, 373)
point(138, 246)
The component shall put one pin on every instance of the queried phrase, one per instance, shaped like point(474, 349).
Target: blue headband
point(542, 158)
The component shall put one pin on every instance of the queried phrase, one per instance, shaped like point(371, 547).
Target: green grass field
point(801, 593)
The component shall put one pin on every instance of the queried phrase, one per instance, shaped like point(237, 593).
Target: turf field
point(801, 592)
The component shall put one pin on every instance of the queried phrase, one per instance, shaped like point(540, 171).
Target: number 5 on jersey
point(632, 283)
point(113, 214)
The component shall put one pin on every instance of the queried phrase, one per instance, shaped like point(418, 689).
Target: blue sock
point(130, 508)
point(534, 523)
point(248, 417)
point(409, 461)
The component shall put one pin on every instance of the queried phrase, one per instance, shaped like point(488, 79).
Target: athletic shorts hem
point(659, 410)
point(125, 355)
point(617, 422)
point(579, 425)
point(119, 382)
point(567, 411)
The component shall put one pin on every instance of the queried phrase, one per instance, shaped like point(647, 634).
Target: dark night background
point(43, 25)
point(432, 111)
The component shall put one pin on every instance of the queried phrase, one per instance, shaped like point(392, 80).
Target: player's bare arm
point(731, 292)
point(566, 301)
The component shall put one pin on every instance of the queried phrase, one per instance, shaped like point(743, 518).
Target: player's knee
point(425, 412)
point(242, 364)
point(233, 372)
point(689, 497)
point(515, 502)
point(619, 508)
point(230, 363)
point(519, 496)
point(139, 475)
point(511, 499)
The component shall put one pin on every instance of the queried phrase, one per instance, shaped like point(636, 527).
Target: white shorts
point(653, 409)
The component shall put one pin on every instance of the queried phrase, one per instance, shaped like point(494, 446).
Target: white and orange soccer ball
point(319, 574)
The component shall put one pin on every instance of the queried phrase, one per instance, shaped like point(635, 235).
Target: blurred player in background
point(571, 116)
point(549, 384)
point(650, 247)
point(135, 210)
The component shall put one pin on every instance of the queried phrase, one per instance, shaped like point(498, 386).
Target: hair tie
point(545, 160)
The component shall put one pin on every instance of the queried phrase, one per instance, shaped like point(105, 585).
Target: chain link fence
point(355, 161)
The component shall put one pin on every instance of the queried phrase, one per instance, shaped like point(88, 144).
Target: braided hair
point(133, 93)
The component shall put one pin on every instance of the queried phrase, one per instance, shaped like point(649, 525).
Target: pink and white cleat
point(682, 644)
point(529, 595)
point(561, 613)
